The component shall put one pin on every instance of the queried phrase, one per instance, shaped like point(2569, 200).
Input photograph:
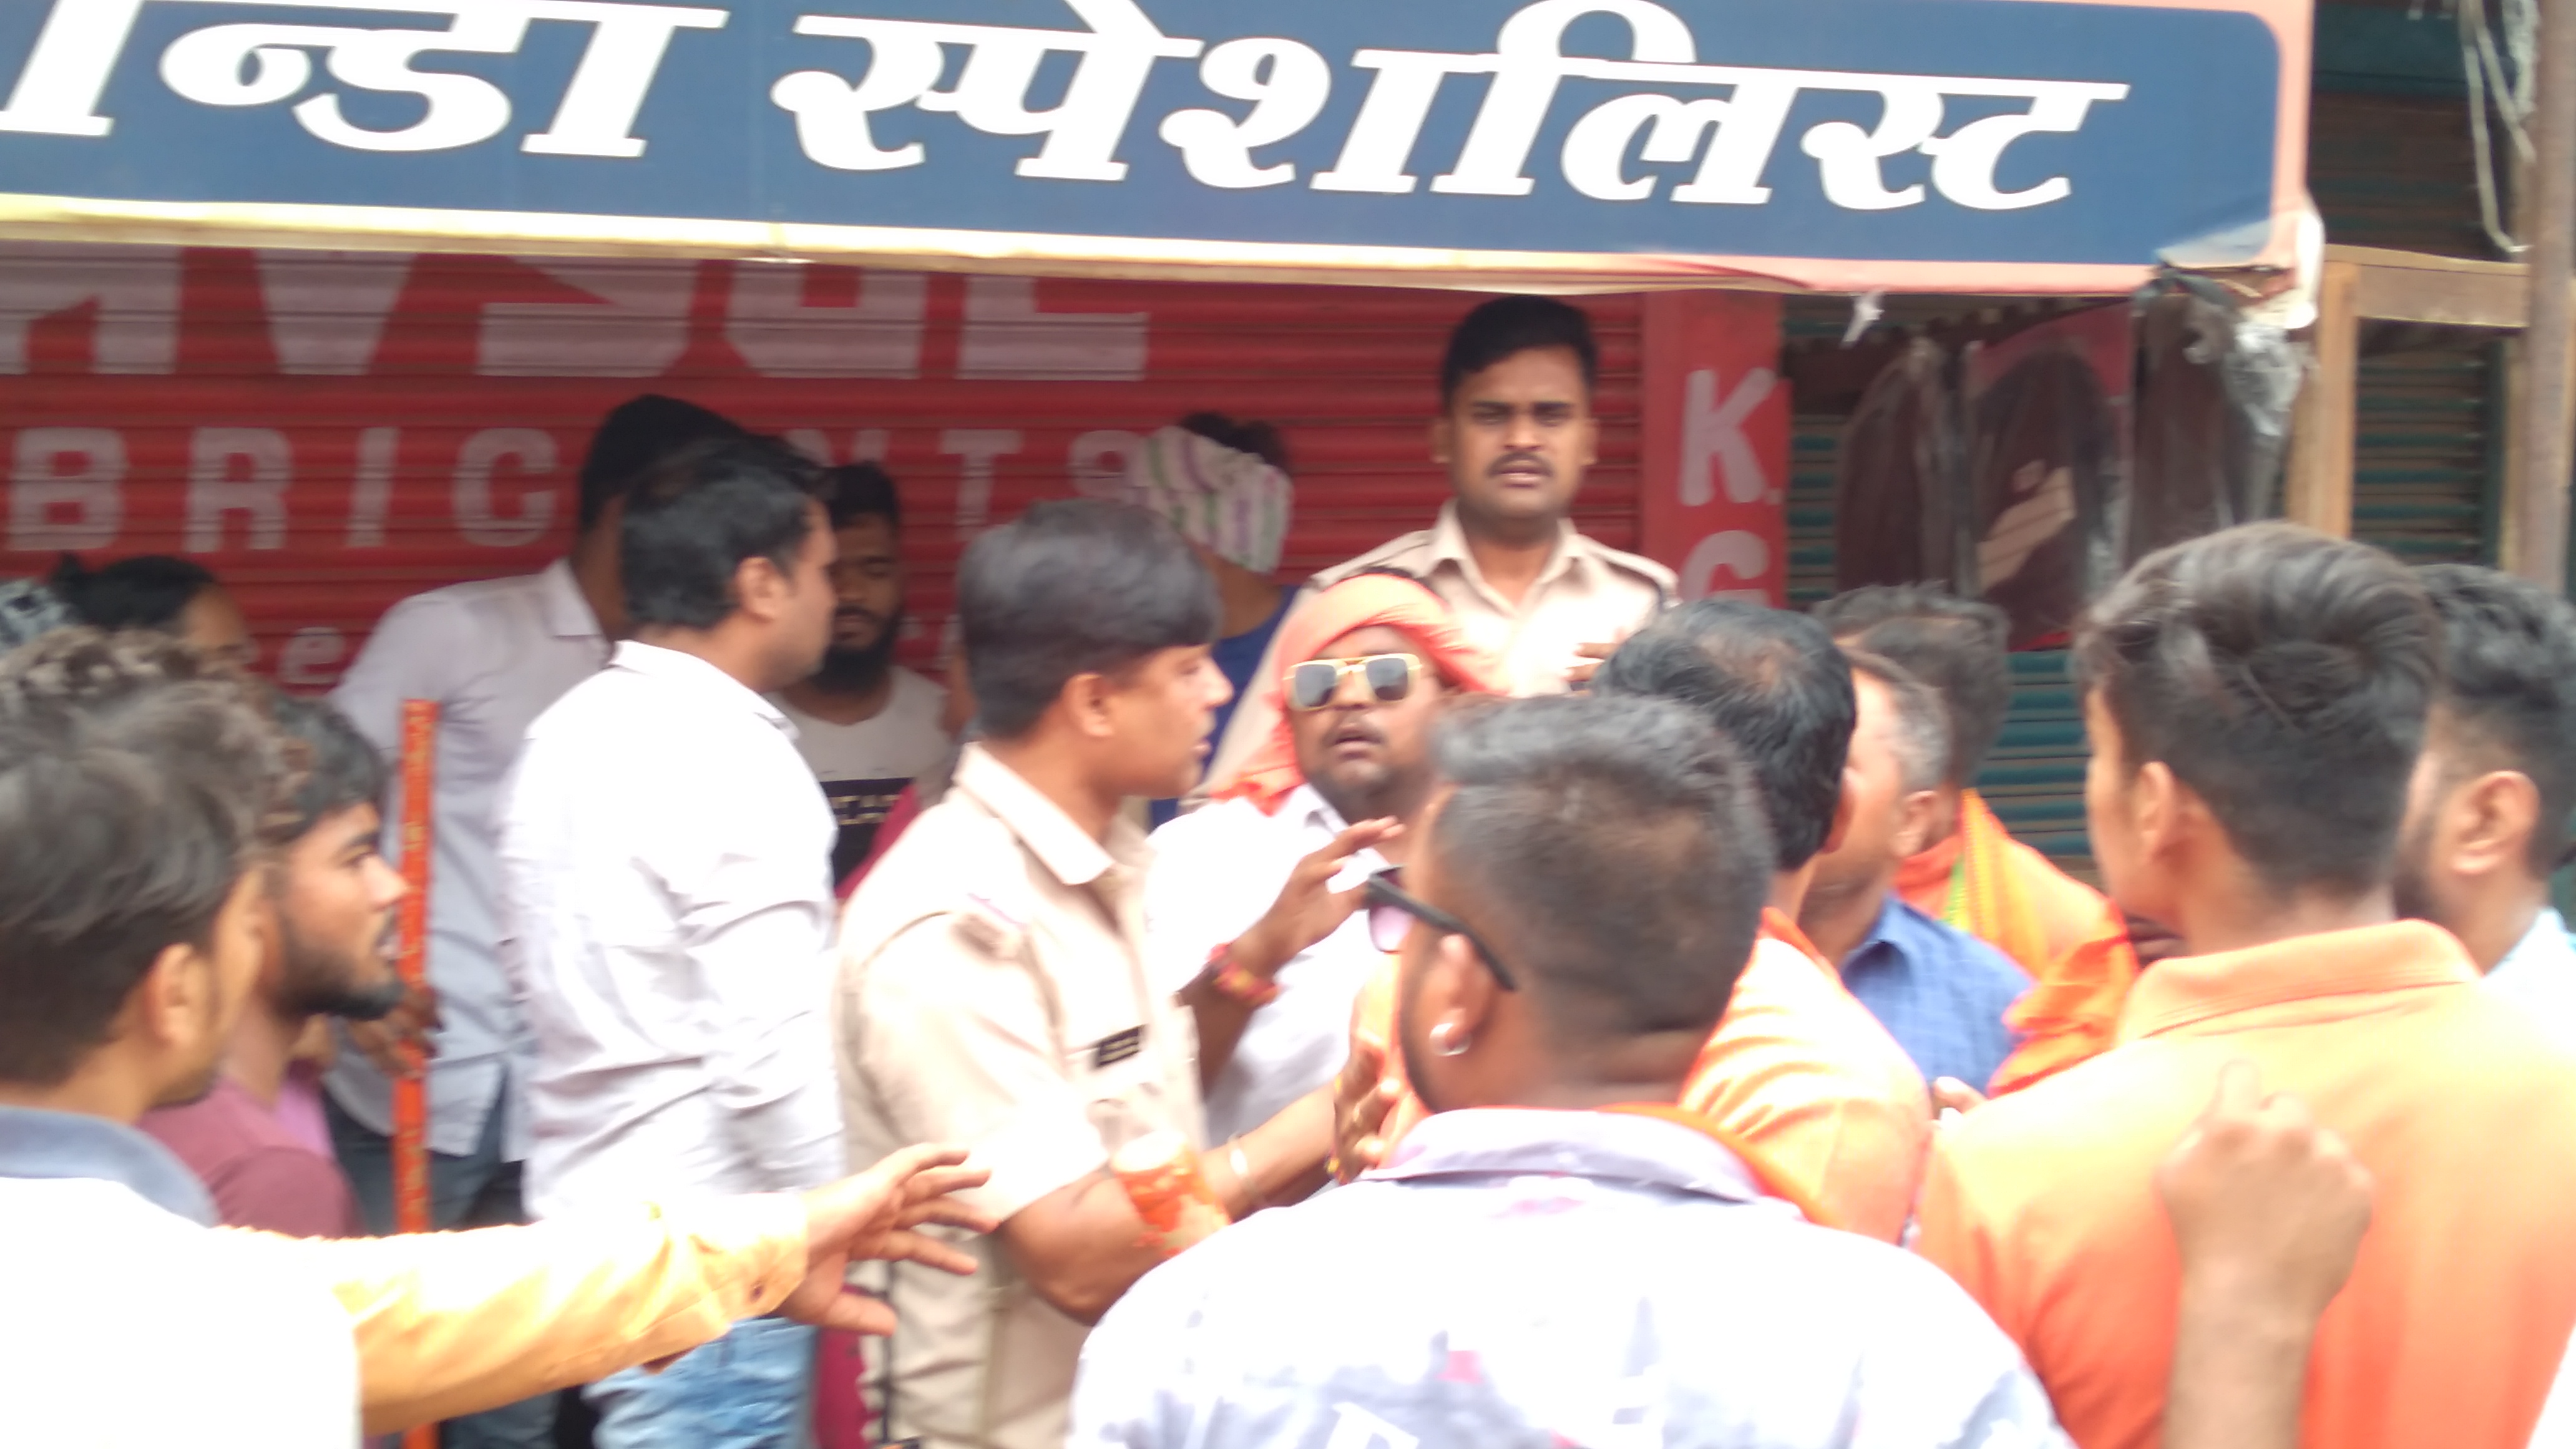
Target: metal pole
point(2542, 445)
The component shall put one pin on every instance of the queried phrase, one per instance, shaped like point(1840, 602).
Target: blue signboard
point(2001, 144)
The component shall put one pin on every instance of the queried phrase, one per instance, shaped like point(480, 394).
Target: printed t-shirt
point(864, 766)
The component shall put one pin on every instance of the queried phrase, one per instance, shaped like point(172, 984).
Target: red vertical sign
point(1712, 498)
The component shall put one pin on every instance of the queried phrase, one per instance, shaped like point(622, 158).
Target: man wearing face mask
point(865, 723)
point(333, 898)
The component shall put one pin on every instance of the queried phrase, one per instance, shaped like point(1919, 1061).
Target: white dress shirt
point(2539, 976)
point(1216, 871)
point(665, 872)
point(493, 655)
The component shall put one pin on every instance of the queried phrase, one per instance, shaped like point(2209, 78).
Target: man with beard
point(2487, 820)
point(333, 898)
point(1516, 433)
point(1249, 905)
point(866, 724)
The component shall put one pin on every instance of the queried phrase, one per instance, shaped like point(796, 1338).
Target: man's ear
point(1441, 437)
point(760, 587)
point(1844, 802)
point(1086, 701)
point(171, 1004)
point(2167, 814)
point(1918, 818)
point(2487, 823)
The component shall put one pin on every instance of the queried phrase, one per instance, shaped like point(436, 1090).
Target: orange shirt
point(2073, 941)
point(1798, 1070)
point(2451, 1328)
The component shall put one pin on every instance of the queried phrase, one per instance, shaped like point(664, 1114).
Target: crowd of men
point(1598, 1019)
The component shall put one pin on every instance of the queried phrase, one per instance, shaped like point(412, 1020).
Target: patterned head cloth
point(1362, 601)
point(28, 610)
point(1230, 503)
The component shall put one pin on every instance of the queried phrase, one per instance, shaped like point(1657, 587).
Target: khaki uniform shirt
point(993, 994)
point(1586, 594)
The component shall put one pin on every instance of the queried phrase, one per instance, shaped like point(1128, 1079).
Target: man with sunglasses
point(1516, 434)
point(1248, 907)
point(1561, 1255)
point(1799, 1070)
point(994, 989)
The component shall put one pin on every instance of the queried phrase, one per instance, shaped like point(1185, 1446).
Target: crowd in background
point(1562, 1013)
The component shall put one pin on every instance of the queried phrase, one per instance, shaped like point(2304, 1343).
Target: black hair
point(861, 490)
point(1613, 849)
point(637, 434)
point(149, 591)
point(2509, 686)
point(1954, 645)
point(137, 777)
point(1252, 436)
point(696, 516)
point(2284, 676)
point(1774, 684)
point(1509, 326)
point(340, 767)
point(1071, 587)
point(1922, 725)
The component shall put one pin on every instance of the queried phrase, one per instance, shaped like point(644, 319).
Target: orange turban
point(1364, 601)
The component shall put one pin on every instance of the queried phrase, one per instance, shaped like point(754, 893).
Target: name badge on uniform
point(1117, 1047)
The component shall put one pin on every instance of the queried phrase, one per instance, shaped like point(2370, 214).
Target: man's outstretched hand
point(873, 1215)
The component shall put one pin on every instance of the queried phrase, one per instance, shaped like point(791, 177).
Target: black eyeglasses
point(1391, 913)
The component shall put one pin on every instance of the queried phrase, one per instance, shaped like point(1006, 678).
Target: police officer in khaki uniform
point(1516, 433)
point(993, 990)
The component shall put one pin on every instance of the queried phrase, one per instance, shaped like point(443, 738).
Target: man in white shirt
point(2487, 821)
point(665, 865)
point(492, 655)
point(1267, 876)
point(865, 723)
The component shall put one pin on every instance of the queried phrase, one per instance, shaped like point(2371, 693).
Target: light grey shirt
point(667, 898)
point(1538, 1278)
point(492, 655)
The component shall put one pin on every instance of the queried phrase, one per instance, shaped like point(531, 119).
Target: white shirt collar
point(1307, 806)
point(688, 670)
point(2544, 950)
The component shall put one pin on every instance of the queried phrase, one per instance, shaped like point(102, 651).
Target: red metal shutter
point(333, 432)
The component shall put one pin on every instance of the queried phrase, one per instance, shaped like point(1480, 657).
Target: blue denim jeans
point(747, 1390)
point(475, 1191)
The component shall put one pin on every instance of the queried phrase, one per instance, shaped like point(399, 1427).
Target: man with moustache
point(994, 990)
point(333, 897)
point(1263, 883)
point(865, 723)
point(1516, 433)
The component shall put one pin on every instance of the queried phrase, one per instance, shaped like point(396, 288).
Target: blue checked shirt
point(1939, 991)
point(1534, 1278)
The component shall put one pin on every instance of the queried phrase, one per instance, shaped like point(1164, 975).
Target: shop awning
point(1993, 146)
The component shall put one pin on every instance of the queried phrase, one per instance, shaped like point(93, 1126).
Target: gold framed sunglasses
point(1389, 677)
